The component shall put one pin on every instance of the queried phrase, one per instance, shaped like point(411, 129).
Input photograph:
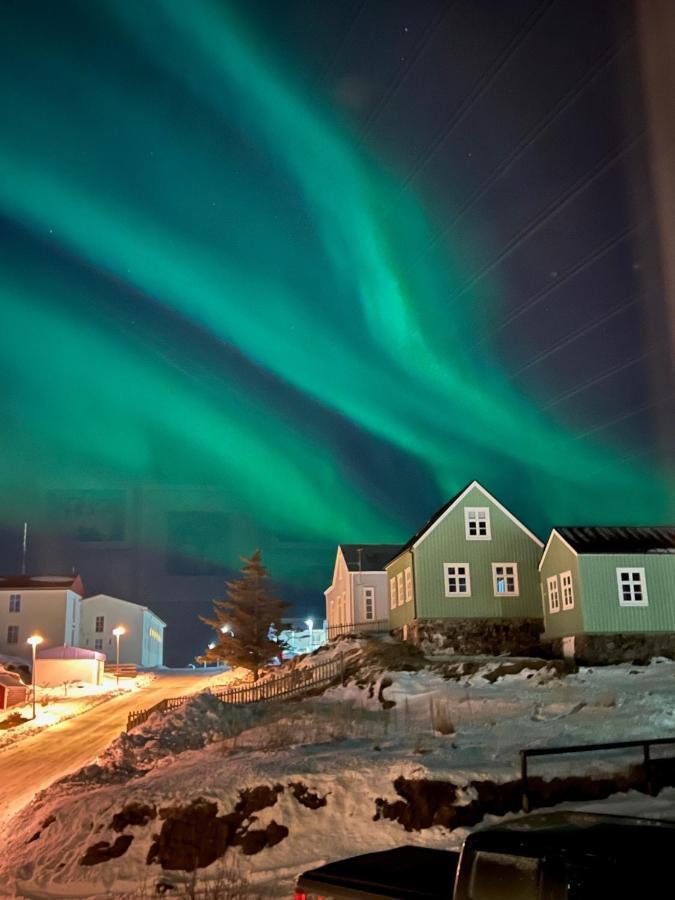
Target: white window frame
point(400, 589)
point(408, 584)
point(471, 514)
point(13, 630)
point(392, 593)
point(553, 594)
point(368, 597)
point(98, 644)
point(447, 576)
point(100, 630)
point(15, 603)
point(631, 571)
point(516, 586)
point(567, 590)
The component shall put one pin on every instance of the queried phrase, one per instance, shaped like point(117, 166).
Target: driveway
point(35, 762)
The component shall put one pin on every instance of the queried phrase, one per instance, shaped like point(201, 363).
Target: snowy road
point(35, 762)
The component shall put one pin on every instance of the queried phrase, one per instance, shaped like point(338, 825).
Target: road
point(35, 762)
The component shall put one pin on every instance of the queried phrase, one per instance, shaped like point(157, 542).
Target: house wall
point(602, 612)
point(403, 613)
point(447, 543)
point(376, 580)
point(153, 640)
point(49, 613)
point(115, 612)
point(338, 595)
point(566, 622)
point(53, 672)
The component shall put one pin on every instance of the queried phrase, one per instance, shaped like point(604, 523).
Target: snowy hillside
point(290, 785)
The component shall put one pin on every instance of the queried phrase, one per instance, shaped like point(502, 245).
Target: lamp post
point(34, 640)
point(310, 625)
point(118, 632)
point(212, 646)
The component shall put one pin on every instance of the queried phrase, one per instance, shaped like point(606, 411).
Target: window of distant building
point(505, 579)
point(408, 585)
point(369, 603)
point(392, 593)
point(457, 579)
point(98, 644)
point(15, 602)
point(12, 634)
point(400, 589)
point(632, 587)
point(477, 523)
point(99, 624)
point(567, 590)
point(553, 594)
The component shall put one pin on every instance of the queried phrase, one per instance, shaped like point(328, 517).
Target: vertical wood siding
point(447, 543)
point(602, 612)
point(565, 622)
point(405, 613)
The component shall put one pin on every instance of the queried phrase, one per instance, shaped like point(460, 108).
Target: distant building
point(357, 597)
point(609, 592)
point(468, 580)
point(48, 605)
point(61, 665)
point(299, 638)
point(143, 641)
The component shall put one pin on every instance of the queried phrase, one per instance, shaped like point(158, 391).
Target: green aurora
point(158, 165)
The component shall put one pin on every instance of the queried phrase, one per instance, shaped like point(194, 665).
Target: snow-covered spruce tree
point(242, 622)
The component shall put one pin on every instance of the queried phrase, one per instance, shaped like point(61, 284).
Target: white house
point(60, 665)
point(143, 640)
point(48, 605)
point(358, 595)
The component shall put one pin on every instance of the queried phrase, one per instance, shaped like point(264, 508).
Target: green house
point(609, 592)
point(467, 581)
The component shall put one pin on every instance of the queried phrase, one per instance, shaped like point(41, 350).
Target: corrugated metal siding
point(602, 612)
point(566, 622)
point(405, 613)
point(447, 543)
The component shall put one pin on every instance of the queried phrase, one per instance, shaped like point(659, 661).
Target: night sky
point(332, 260)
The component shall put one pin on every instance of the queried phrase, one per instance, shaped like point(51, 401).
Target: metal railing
point(588, 748)
point(371, 626)
point(294, 683)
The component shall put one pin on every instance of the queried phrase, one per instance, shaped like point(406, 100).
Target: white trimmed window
point(408, 585)
point(457, 579)
point(567, 590)
point(98, 644)
point(632, 587)
point(392, 593)
point(369, 603)
point(477, 523)
point(553, 594)
point(505, 579)
point(15, 602)
point(400, 589)
point(99, 623)
point(12, 634)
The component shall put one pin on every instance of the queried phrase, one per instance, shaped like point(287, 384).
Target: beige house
point(48, 605)
point(143, 640)
point(357, 597)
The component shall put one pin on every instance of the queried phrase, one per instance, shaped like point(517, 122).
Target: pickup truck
point(546, 856)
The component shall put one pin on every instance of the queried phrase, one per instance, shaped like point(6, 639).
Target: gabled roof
point(42, 583)
point(440, 514)
point(618, 538)
point(120, 600)
point(368, 557)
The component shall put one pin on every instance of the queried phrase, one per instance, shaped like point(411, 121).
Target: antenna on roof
point(25, 543)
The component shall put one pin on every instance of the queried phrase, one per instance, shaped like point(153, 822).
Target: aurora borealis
point(208, 277)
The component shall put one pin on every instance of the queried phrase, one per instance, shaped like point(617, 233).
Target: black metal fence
point(296, 682)
point(588, 748)
point(372, 626)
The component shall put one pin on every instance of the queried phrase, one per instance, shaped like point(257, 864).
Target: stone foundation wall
point(471, 637)
point(605, 649)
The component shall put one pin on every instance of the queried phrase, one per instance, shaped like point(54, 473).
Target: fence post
point(342, 668)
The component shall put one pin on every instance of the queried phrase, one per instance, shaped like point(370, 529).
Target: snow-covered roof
point(69, 653)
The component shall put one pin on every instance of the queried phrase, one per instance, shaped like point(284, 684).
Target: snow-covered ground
point(331, 761)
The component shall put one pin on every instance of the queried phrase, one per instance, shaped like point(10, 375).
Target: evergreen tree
point(243, 621)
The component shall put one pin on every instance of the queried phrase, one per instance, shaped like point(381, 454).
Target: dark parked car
point(548, 856)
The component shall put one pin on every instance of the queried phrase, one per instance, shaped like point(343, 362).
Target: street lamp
point(34, 640)
point(310, 624)
point(118, 632)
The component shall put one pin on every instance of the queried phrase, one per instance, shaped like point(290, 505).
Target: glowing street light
point(34, 640)
point(118, 632)
point(225, 629)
